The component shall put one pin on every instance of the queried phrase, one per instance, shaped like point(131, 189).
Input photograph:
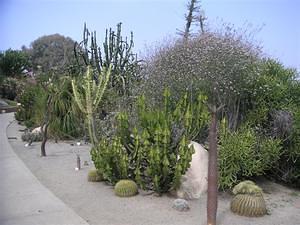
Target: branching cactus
point(117, 52)
point(88, 95)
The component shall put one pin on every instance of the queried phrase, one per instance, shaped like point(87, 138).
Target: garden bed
point(97, 204)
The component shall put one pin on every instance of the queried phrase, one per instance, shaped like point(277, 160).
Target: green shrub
point(243, 154)
point(32, 137)
point(8, 88)
point(154, 151)
point(111, 159)
point(287, 169)
point(28, 98)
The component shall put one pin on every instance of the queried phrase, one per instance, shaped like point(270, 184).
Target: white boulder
point(37, 130)
point(194, 182)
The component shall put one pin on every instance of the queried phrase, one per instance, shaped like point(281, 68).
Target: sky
point(152, 21)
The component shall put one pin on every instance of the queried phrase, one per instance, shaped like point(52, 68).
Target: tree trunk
point(45, 138)
point(212, 191)
point(44, 127)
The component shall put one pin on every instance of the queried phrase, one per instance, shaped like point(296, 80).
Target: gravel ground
point(97, 204)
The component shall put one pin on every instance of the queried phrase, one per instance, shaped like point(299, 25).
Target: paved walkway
point(23, 199)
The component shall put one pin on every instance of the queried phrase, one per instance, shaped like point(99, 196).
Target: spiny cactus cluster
point(126, 188)
point(94, 176)
point(248, 200)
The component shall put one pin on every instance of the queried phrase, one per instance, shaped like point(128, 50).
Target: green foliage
point(94, 176)
point(244, 154)
point(52, 53)
point(27, 99)
point(65, 117)
point(64, 121)
point(9, 88)
point(13, 62)
point(287, 169)
point(32, 137)
point(274, 112)
point(126, 188)
point(111, 159)
point(154, 150)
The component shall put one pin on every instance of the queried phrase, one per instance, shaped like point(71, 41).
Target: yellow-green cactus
point(248, 200)
point(89, 94)
point(94, 176)
point(126, 188)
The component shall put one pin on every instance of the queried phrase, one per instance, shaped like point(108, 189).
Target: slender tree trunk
point(212, 191)
point(45, 138)
point(44, 127)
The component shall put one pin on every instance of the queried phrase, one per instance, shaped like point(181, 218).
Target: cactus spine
point(88, 96)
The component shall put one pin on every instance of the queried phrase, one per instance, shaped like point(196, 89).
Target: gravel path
point(97, 204)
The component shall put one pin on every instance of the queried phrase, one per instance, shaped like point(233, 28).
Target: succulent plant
point(32, 137)
point(248, 200)
point(126, 188)
point(94, 176)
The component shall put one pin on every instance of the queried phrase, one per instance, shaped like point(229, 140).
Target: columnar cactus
point(117, 52)
point(89, 94)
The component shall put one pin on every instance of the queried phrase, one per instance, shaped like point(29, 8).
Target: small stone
point(180, 205)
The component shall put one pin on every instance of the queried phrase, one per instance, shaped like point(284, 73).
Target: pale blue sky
point(23, 21)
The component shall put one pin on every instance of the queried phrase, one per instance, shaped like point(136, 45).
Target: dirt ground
point(97, 204)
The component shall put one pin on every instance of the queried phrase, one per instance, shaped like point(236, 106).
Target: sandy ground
point(97, 204)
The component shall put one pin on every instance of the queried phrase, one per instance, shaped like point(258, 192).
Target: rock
point(194, 182)
point(36, 130)
point(180, 205)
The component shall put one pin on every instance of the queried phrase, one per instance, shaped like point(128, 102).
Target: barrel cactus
point(248, 200)
point(94, 176)
point(126, 188)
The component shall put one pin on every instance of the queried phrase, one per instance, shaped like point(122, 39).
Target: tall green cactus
point(116, 52)
point(88, 95)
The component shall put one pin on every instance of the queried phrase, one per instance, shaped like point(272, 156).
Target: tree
point(193, 16)
point(13, 63)
point(52, 52)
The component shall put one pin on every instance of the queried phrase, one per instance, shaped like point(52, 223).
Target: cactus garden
point(98, 120)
